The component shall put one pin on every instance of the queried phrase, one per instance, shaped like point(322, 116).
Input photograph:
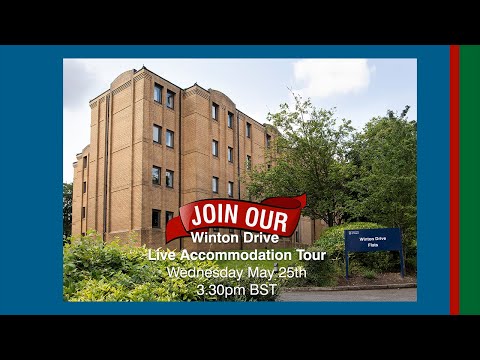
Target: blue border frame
point(31, 113)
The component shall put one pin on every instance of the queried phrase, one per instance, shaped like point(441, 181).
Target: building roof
point(184, 89)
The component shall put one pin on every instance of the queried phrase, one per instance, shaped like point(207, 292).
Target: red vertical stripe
point(454, 180)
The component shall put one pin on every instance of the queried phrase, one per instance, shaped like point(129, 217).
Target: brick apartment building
point(155, 147)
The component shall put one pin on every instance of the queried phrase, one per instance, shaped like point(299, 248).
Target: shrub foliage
point(94, 271)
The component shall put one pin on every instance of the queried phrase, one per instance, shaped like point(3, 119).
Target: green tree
point(309, 156)
point(385, 174)
point(67, 209)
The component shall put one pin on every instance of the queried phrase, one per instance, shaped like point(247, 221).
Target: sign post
point(366, 240)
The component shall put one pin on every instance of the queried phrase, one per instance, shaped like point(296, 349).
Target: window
point(85, 162)
point(215, 148)
point(156, 218)
point(249, 130)
point(84, 187)
point(170, 99)
point(215, 184)
point(216, 229)
point(269, 138)
point(169, 138)
point(156, 175)
point(168, 217)
point(169, 178)
point(215, 111)
point(157, 134)
point(230, 189)
point(230, 154)
point(249, 162)
point(230, 120)
point(231, 231)
point(157, 93)
point(83, 212)
point(297, 236)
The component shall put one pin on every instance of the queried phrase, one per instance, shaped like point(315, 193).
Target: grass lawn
point(265, 264)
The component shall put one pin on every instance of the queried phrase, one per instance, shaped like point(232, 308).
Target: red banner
point(278, 215)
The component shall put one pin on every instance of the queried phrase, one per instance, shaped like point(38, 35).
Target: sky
point(359, 89)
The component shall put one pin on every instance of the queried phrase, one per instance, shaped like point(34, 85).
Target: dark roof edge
point(258, 122)
point(136, 71)
point(201, 87)
point(145, 68)
point(96, 97)
point(160, 77)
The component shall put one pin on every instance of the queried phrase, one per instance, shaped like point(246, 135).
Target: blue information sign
point(363, 240)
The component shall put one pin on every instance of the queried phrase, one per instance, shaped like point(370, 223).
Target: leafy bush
point(369, 274)
point(411, 256)
point(94, 271)
point(332, 241)
point(319, 272)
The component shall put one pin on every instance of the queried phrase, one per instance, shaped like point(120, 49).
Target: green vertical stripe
point(469, 180)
